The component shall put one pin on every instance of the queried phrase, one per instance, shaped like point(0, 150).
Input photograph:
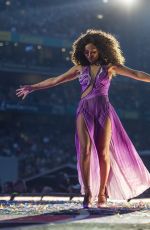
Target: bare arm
point(70, 75)
point(131, 73)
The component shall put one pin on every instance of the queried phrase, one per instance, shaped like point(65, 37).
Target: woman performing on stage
point(107, 161)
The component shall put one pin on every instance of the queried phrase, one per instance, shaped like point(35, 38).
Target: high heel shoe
point(102, 199)
point(87, 201)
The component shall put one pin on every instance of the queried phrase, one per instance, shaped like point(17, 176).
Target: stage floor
point(68, 215)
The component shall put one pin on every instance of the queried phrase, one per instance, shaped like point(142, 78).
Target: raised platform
point(63, 211)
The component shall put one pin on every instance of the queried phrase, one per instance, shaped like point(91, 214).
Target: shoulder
point(75, 70)
point(110, 67)
point(79, 69)
point(123, 70)
point(111, 70)
point(118, 67)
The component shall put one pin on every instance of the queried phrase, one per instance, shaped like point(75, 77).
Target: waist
point(92, 95)
point(96, 91)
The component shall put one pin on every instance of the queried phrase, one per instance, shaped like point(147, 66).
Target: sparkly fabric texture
point(128, 176)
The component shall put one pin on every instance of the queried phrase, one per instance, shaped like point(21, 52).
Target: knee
point(85, 151)
point(104, 154)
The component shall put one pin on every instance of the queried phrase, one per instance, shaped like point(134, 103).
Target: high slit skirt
point(128, 176)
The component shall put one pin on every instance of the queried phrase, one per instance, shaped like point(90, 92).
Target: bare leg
point(103, 142)
point(85, 150)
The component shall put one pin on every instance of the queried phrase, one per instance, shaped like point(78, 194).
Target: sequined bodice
point(101, 82)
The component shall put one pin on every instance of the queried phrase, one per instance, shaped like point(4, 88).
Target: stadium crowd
point(54, 15)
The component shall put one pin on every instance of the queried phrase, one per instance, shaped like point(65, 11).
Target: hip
point(93, 105)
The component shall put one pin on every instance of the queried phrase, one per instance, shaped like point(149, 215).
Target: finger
point(19, 93)
point(18, 90)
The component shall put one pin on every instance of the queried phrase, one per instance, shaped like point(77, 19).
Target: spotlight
point(8, 3)
point(39, 47)
point(128, 2)
point(100, 16)
point(105, 1)
point(67, 58)
point(63, 50)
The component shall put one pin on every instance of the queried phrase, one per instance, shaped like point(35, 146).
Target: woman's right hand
point(24, 90)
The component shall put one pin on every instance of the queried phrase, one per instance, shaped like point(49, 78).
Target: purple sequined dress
point(128, 176)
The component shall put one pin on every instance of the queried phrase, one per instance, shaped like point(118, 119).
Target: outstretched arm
point(70, 75)
point(131, 73)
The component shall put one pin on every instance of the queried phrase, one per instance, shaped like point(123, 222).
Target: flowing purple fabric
point(128, 176)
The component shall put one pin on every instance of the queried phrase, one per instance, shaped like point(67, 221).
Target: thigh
point(83, 134)
point(103, 137)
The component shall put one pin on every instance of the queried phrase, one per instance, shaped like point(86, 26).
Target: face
point(91, 53)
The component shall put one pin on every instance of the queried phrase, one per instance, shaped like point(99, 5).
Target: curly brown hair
point(106, 43)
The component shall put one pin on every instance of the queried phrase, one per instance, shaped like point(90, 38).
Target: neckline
point(100, 70)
